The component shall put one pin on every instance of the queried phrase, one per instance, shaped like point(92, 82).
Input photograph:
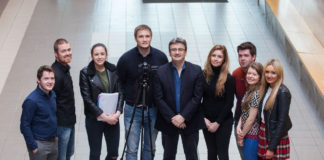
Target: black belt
point(130, 104)
point(138, 105)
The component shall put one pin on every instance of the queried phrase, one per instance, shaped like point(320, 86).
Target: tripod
point(142, 88)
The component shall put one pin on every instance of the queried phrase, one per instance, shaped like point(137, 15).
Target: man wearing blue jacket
point(38, 118)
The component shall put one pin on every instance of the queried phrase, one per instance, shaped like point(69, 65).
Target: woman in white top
point(274, 111)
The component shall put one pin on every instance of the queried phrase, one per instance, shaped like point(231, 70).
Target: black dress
point(218, 109)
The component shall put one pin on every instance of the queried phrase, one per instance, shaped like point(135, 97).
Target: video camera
point(145, 69)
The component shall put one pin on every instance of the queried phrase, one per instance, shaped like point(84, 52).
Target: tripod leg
point(150, 131)
point(129, 130)
point(142, 133)
point(150, 141)
point(138, 96)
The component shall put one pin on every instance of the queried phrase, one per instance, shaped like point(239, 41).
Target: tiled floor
point(85, 22)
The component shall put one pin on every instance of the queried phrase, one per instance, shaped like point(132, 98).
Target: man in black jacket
point(129, 76)
point(64, 99)
point(178, 92)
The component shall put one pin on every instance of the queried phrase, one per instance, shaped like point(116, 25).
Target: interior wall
point(313, 13)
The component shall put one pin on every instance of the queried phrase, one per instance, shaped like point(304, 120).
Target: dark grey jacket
point(91, 86)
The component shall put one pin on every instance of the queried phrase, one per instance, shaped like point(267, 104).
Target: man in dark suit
point(177, 92)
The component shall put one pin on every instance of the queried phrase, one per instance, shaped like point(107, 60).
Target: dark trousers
point(95, 130)
point(189, 142)
point(218, 142)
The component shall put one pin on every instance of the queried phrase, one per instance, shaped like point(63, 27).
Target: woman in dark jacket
point(274, 112)
point(217, 103)
point(100, 77)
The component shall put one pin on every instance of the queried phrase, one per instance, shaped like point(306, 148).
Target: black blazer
point(277, 120)
point(91, 86)
point(190, 98)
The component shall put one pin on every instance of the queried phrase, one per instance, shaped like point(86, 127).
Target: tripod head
point(143, 82)
point(146, 69)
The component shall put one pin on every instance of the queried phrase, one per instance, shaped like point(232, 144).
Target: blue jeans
point(250, 149)
point(95, 130)
point(240, 149)
point(65, 142)
point(134, 136)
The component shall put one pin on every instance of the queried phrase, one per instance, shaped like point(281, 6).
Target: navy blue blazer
point(190, 98)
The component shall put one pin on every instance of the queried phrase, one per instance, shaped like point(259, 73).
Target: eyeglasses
point(177, 49)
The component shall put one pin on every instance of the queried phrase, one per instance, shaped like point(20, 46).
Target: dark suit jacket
point(190, 98)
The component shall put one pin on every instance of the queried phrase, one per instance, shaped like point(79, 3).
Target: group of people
point(261, 119)
point(180, 99)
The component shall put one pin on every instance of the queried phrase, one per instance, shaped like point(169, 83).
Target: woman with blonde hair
point(248, 125)
point(274, 112)
point(217, 103)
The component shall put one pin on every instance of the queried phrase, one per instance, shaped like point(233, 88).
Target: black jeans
point(95, 130)
point(218, 142)
point(189, 142)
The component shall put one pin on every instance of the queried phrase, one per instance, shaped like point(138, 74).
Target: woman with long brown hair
point(248, 126)
point(218, 97)
point(274, 112)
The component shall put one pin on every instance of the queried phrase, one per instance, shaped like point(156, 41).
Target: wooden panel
point(315, 67)
point(296, 28)
point(302, 22)
point(305, 42)
point(313, 13)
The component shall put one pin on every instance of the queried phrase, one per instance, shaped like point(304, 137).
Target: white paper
point(108, 102)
